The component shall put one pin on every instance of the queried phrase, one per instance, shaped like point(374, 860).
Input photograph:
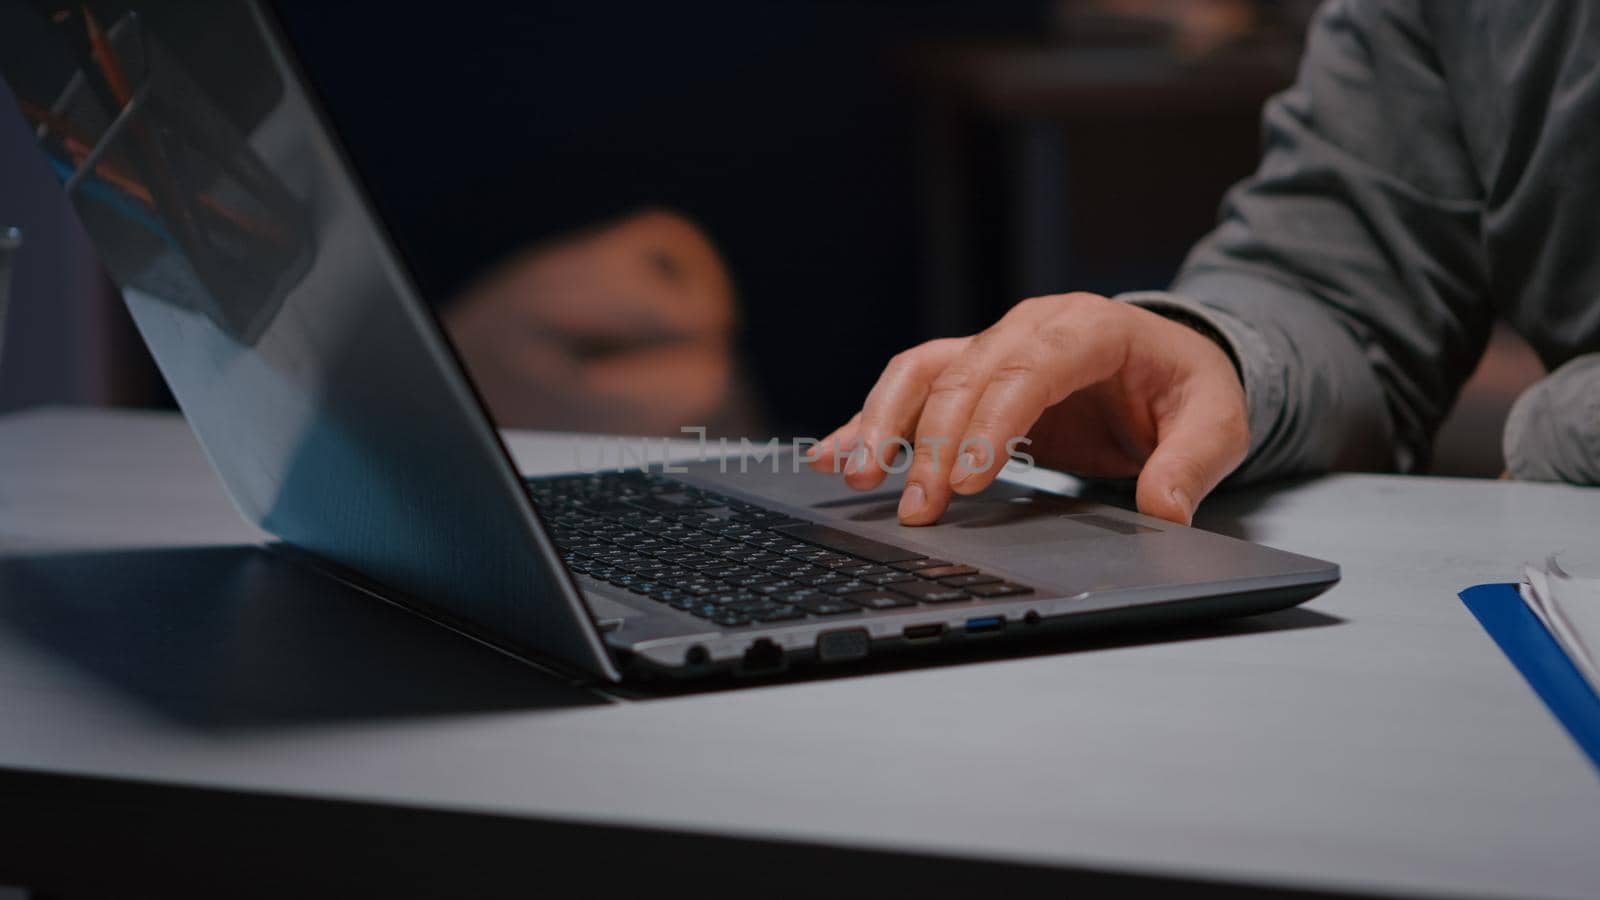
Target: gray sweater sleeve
point(1553, 432)
point(1347, 273)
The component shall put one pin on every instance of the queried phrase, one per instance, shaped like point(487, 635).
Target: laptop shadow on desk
point(239, 638)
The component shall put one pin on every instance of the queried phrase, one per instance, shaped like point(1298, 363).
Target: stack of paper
point(1569, 607)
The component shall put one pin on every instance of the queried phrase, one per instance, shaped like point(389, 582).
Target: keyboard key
point(793, 547)
point(890, 578)
point(848, 544)
point(845, 587)
point(830, 578)
point(914, 565)
point(965, 580)
point(828, 606)
point(775, 587)
point(864, 571)
point(937, 572)
point(879, 600)
point(999, 589)
point(753, 580)
point(820, 580)
point(928, 591)
point(753, 608)
point(780, 614)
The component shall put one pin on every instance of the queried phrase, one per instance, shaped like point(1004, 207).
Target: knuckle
point(928, 454)
point(1030, 307)
point(1062, 318)
point(902, 363)
point(1016, 372)
point(980, 341)
point(956, 379)
point(917, 360)
point(1028, 381)
point(1085, 298)
point(1060, 335)
point(1090, 309)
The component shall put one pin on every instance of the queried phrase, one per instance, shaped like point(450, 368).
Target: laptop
point(330, 403)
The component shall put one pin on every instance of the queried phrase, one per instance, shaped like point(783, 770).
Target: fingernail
point(911, 501)
point(1181, 497)
point(857, 461)
point(966, 467)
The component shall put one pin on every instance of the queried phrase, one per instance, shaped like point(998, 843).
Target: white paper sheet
point(1569, 607)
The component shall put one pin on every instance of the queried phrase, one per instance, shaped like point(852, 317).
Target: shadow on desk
point(232, 638)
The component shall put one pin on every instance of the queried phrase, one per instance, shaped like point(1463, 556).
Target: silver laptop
point(340, 420)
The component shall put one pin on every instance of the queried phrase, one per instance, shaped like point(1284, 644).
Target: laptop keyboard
point(735, 563)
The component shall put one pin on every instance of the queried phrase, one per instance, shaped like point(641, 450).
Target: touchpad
point(1004, 517)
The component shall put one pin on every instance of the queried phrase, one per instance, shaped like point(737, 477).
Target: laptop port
point(985, 624)
point(839, 646)
point(762, 656)
point(923, 632)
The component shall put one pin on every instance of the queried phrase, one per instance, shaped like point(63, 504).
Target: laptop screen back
point(287, 329)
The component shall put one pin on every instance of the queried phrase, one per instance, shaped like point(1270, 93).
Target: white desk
point(1379, 742)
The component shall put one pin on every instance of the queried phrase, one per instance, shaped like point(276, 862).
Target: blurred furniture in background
point(68, 337)
point(1050, 167)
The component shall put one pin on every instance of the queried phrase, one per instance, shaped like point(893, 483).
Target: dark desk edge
point(68, 836)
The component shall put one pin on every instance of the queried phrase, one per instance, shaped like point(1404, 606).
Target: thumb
point(1199, 444)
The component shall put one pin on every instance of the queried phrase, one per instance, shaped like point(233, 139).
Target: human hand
point(623, 329)
point(1100, 388)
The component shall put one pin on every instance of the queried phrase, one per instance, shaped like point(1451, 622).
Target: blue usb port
point(985, 624)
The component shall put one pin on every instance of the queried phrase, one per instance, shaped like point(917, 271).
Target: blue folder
point(1531, 648)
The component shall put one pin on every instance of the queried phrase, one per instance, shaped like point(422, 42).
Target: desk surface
point(1374, 740)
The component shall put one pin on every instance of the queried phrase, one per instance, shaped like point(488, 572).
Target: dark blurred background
point(871, 174)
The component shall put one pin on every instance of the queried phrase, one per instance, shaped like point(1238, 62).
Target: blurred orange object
point(623, 329)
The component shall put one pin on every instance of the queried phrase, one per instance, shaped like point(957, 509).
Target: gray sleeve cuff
point(1260, 367)
point(1553, 432)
